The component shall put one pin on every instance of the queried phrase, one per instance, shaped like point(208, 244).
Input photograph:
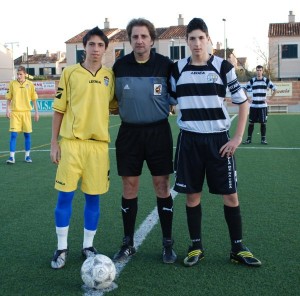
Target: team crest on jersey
point(212, 77)
point(106, 80)
point(157, 89)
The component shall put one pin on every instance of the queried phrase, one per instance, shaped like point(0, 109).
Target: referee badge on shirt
point(157, 88)
point(106, 80)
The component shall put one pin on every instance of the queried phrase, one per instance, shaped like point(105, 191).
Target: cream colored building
point(46, 64)
point(6, 63)
point(170, 42)
point(284, 49)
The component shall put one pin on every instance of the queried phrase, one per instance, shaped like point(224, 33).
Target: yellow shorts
point(20, 122)
point(85, 160)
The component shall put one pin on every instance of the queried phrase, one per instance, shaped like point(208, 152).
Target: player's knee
point(231, 200)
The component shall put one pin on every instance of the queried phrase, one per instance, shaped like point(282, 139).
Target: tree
point(269, 62)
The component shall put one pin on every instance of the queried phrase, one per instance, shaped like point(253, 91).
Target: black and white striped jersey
point(200, 92)
point(259, 89)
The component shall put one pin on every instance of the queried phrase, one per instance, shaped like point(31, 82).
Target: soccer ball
point(98, 271)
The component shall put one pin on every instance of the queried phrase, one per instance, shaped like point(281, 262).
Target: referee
point(145, 135)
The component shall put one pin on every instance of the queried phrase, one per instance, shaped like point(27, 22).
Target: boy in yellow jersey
point(81, 116)
point(19, 94)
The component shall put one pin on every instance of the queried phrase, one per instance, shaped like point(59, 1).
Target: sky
point(47, 25)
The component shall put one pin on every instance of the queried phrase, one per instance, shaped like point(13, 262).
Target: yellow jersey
point(20, 95)
point(85, 100)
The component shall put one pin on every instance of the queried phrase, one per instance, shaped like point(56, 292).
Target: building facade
point(170, 41)
point(47, 65)
point(284, 45)
point(283, 59)
point(6, 63)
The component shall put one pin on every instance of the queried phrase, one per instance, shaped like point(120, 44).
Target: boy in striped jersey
point(259, 86)
point(204, 147)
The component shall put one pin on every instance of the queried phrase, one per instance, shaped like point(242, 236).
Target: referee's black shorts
point(152, 143)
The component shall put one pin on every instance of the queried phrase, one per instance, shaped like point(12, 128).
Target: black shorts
point(150, 142)
point(258, 115)
point(197, 155)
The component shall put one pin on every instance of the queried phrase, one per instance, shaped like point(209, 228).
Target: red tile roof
point(172, 32)
point(78, 38)
point(38, 59)
point(118, 35)
point(220, 52)
point(284, 29)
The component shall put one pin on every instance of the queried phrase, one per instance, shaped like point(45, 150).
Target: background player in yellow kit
point(81, 116)
point(20, 93)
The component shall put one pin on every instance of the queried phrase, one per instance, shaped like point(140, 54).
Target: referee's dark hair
point(141, 22)
point(196, 24)
point(92, 32)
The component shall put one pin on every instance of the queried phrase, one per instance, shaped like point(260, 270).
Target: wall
point(288, 94)
point(46, 91)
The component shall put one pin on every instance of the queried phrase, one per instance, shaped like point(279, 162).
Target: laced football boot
point(244, 256)
point(169, 256)
point(248, 141)
point(28, 159)
point(11, 160)
point(89, 252)
point(59, 259)
point(125, 251)
point(193, 257)
point(264, 142)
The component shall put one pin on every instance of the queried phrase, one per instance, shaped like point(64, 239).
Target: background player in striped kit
point(259, 86)
point(81, 116)
point(204, 147)
point(20, 93)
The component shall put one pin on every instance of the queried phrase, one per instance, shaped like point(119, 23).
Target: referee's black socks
point(165, 213)
point(129, 212)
